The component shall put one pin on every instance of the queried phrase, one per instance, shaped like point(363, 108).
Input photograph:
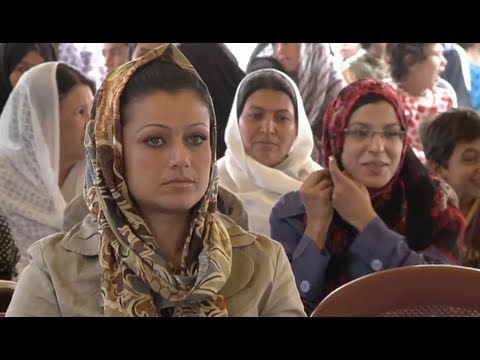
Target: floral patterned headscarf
point(412, 203)
point(133, 273)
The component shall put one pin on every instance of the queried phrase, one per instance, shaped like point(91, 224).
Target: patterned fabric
point(31, 199)
point(472, 237)
point(475, 92)
point(8, 252)
point(417, 113)
point(412, 203)
point(131, 266)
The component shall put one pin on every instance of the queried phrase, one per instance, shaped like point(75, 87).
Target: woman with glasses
point(373, 207)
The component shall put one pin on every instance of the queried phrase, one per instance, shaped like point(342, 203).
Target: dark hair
point(159, 75)
point(466, 46)
point(371, 98)
point(265, 79)
point(11, 54)
point(68, 77)
point(401, 56)
point(267, 62)
point(365, 46)
point(446, 130)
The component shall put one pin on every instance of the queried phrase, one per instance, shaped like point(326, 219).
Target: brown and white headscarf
point(132, 268)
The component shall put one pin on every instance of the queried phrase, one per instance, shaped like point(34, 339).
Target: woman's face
point(373, 160)
point(115, 54)
point(166, 149)
point(289, 55)
point(30, 60)
point(267, 126)
point(428, 70)
point(75, 110)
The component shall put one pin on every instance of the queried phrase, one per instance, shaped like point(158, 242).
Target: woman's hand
point(316, 193)
point(350, 198)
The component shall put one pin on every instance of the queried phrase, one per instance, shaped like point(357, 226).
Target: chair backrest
point(423, 290)
point(6, 292)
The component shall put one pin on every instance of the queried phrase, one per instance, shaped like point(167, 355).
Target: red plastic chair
point(413, 291)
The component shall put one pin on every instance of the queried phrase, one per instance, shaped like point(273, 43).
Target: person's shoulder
point(289, 205)
point(241, 238)
point(81, 240)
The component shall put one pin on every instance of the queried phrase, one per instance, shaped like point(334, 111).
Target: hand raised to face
point(350, 198)
point(316, 193)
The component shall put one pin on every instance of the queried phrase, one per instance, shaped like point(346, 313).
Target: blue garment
point(375, 248)
point(475, 92)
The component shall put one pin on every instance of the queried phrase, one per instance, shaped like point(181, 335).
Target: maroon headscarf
point(411, 203)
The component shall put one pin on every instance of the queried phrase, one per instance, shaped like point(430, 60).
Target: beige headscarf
point(132, 269)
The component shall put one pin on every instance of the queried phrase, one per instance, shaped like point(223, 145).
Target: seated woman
point(374, 208)
point(269, 144)
point(8, 252)
point(16, 59)
point(42, 158)
point(154, 243)
point(416, 69)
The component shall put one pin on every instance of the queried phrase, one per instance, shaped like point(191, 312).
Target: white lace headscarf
point(30, 197)
point(257, 185)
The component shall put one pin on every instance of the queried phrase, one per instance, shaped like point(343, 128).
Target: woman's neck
point(412, 87)
point(170, 230)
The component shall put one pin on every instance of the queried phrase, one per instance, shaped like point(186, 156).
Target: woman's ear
point(409, 60)
point(435, 169)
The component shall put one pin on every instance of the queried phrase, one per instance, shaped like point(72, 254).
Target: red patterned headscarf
point(412, 203)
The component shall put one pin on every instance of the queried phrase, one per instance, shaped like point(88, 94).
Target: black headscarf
point(219, 69)
point(11, 54)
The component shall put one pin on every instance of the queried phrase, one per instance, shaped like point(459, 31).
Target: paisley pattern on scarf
point(132, 267)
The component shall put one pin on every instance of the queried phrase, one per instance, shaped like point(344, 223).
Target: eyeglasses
point(363, 134)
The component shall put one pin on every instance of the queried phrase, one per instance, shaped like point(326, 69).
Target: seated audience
point(154, 243)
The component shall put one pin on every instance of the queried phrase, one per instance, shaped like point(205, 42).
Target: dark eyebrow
point(168, 127)
point(256, 107)
point(283, 111)
point(370, 125)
